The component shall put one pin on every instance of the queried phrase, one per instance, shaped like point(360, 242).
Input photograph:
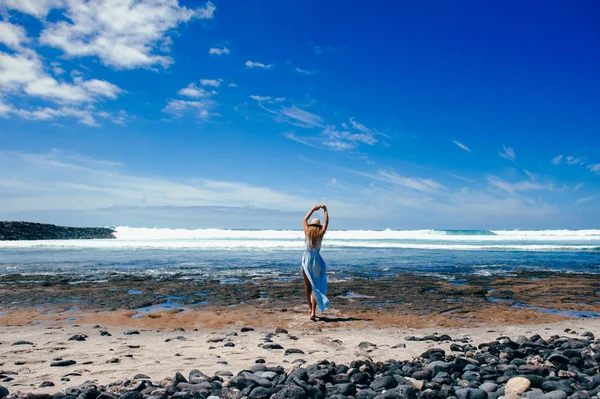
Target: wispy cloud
point(305, 72)
point(557, 160)
point(461, 145)
point(321, 49)
point(219, 51)
point(518, 186)
point(302, 118)
point(577, 187)
point(569, 160)
point(594, 167)
point(252, 64)
point(508, 153)
point(418, 184)
point(583, 200)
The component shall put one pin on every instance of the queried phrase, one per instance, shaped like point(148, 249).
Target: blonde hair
point(314, 235)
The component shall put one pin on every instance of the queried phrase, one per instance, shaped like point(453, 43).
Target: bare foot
point(313, 317)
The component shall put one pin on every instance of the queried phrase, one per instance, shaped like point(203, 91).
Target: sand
point(160, 353)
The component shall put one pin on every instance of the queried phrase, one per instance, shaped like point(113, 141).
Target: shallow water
point(238, 256)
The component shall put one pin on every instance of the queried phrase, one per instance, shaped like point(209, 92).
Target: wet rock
point(229, 345)
point(105, 334)
point(46, 384)
point(22, 343)
point(471, 393)
point(3, 391)
point(367, 345)
point(272, 346)
point(131, 395)
point(131, 332)
point(291, 392)
point(385, 382)
point(63, 363)
point(280, 330)
point(246, 329)
point(293, 351)
point(78, 337)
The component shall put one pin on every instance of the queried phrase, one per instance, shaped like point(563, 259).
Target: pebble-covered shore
point(561, 366)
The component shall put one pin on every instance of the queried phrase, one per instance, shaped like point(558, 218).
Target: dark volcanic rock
point(62, 363)
point(293, 351)
point(12, 231)
point(291, 392)
point(22, 343)
point(272, 346)
point(78, 337)
point(3, 392)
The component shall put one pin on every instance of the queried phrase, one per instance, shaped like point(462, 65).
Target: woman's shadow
point(326, 319)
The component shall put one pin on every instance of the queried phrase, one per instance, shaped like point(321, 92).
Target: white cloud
point(67, 181)
point(12, 36)
point(594, 167)
point(362, 128)
point(36, 8)
point(101, 88)
point(5, 109)
point(122, 34)
point(232, 85)
point(252, 64)
point(305, 72)
point(518, 186)
point(23, 73)
point(211, 82)
point(531, 176)
point(417, 184)
point(260, 98)
point(85, 117)
point(201, 108)
point(583, 200)
point(508, 153)
point(571, 160)
point(302, 118)
point(557, 160)
point(219, 51)
point(193, 91)
point(577, 188)
point(461, 145)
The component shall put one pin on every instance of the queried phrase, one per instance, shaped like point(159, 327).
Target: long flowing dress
point(316, 270)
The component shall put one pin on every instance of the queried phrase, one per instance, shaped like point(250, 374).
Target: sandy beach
point(161, 353)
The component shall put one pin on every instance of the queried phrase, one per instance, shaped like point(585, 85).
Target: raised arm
point(326, 219)
point(309, 214)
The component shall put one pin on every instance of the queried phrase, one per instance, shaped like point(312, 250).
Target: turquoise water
point(234, 256)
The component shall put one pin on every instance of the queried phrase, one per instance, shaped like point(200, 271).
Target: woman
point(314, 268)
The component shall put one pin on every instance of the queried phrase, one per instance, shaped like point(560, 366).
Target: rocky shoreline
point(559, 367)
point(404, 300)
point(16, 231)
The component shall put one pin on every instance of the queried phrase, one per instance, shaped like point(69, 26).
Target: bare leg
point(308, 292)
point(313, 308)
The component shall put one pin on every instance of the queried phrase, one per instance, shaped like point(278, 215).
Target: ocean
point(234, 256)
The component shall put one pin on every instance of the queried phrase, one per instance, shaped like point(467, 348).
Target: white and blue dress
point(316, 270)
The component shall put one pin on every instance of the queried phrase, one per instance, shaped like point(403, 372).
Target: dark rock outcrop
point(14, 231)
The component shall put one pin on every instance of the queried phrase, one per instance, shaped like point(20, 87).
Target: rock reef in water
point(14, 231)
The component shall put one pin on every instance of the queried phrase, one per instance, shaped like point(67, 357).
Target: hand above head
point(323, 206)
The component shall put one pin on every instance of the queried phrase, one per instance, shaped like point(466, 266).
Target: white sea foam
point(214, 239)
point(129, 233)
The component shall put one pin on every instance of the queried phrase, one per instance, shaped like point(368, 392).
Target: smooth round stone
point(471, 393)
point(556, 395)
point(489, 387)
point(269, 375)
point(517, 385)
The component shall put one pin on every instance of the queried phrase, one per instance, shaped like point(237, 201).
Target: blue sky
point(245, 114)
